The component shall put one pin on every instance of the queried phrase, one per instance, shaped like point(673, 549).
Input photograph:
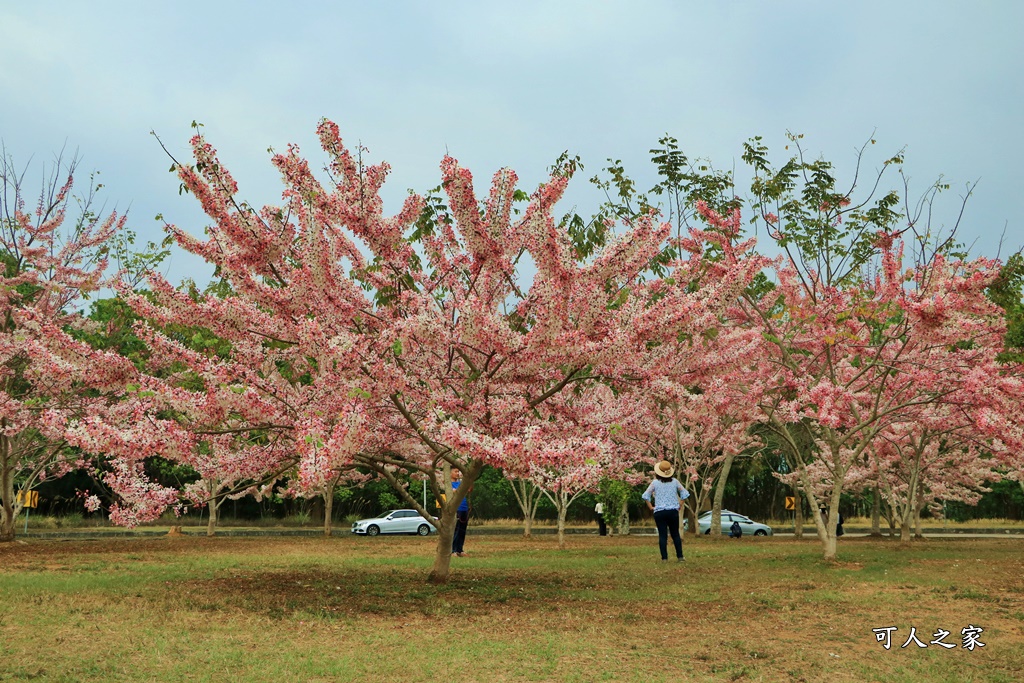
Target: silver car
point(395, 522)
point(749, 526)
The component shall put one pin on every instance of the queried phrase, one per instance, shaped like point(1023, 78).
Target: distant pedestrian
point(602, 528)
point(461, 517)
point(839, 522)
point(668, 494)
point(735, 531)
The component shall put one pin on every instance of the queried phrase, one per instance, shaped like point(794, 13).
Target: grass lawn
point(315, 609)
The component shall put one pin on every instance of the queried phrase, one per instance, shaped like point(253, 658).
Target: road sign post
point(791, 505)
point(28, 500)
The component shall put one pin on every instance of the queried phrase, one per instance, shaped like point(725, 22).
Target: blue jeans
point(668, 523)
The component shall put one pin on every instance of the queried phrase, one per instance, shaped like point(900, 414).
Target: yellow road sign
point(790, 502)
point(29, 499)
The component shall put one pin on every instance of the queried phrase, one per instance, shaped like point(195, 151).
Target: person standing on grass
point(602, 528)
point(668, 494)
point(461, 517)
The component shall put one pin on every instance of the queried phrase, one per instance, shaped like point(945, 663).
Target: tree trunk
point(905, 533)
point(7, 524)
point(824, 520)
point(622, 527)
point(876, 514)
point(716, 506)
point(798, 514)
point(830, 546)
point(8, 503)
point(531, 515)
point(446, 524)
point(443, 554)
point(906, 522)
point(211, 524)
point(527, 495)
point(918, 507)
point(329, 509)
point(562, 509)
point(826, 526)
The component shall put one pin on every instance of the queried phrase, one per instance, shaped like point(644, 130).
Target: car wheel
point(760, 532)
point(423, 530)
point(372, 530)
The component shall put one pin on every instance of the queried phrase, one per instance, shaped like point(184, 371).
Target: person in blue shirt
point(461, 517)
point(735, 531)
point(667, 494)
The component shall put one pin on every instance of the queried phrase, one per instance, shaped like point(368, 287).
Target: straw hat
point(664, 469)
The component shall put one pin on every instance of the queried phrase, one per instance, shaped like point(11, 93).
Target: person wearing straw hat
point(668, 494)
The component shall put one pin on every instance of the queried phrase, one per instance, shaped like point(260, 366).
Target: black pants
point(602, 528)
point(459, 538)
point(668, 523)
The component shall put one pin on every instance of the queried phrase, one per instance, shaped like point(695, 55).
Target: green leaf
point(356, 392)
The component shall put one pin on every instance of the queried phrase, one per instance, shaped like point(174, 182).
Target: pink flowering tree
point(231, 466)
point(327, 464)
point(527, 495)
point(576, 447)
point(949, 450)
point(729, 412)
point(1008, 292)
point(849, 363)
point(49, 379)
point(427, 320)
point(857, 340)
point(564, 483)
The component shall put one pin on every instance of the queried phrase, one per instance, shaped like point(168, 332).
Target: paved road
point(482, 531)
point(1005, 533)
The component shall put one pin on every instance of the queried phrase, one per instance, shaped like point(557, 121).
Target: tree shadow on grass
point(387, 592)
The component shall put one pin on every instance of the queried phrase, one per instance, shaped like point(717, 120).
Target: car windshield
point(388, 514)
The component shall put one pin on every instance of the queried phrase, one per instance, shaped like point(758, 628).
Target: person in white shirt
point(668, 494)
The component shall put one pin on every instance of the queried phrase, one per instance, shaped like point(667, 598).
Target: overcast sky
point(515, 84)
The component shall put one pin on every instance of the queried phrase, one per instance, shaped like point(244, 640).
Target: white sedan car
point(395, 522)
point(747, 525)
